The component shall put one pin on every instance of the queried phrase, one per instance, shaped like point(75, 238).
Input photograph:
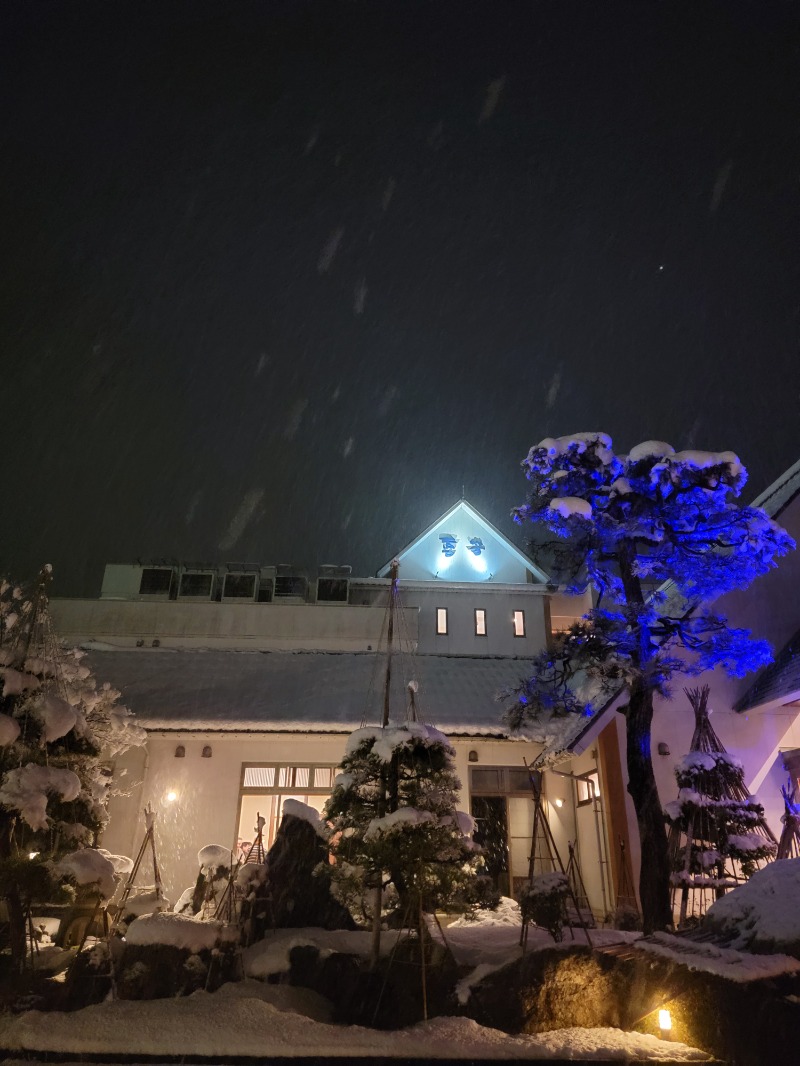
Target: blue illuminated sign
point(449, 542)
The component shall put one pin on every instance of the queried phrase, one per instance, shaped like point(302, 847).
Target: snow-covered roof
point(777, 496)
point(310, 691)
point(780, 681)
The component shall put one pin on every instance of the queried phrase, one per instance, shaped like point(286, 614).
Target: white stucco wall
point(206, 810)
point(257, 626)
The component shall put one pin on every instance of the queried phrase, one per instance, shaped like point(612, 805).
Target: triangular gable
point(777, 496)
point(462, 545)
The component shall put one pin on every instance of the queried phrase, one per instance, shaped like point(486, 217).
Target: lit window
point(480, 622)
point(588, 786)
point(441, 621)
point(519, 623)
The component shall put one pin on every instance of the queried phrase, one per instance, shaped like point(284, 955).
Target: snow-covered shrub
point(395, 824)
point(57, 725)
point(542, 902)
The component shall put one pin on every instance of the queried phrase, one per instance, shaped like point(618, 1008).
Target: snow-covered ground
point(260, 1019)
point(265, 1020)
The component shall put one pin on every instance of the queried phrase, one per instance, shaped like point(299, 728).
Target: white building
point(248, 680)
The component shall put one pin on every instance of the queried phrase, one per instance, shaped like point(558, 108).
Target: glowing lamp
point(171, 797)
point(559, 802)
point(665, 1023)
point(32, 854)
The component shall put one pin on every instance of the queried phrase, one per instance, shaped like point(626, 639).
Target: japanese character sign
point(449, 541)
point(476, 545)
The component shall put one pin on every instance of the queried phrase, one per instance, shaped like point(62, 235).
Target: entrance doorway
point(491, 833)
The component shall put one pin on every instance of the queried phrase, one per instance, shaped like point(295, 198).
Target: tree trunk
point(17, 933)
point(655, 866)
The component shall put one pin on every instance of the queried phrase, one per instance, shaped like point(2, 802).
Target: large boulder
point(167, 955)
point(298, 896)
point(743, 1022)
point(763, 914)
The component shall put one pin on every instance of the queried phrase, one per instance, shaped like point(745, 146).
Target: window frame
point(482, 612)
point(442, 617)
point(591, 782)
point(518, 612)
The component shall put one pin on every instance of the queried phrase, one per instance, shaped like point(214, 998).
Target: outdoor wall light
point(180, 752)
point(663, 748)
point(171, 797)
point(206, 753)
point(664, 1024)
point(473, 756)
point(559, 802)
point(32, 855)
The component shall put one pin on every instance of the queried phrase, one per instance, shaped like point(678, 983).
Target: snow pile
point(178, 931)
point(577, 443)
point(507, 912)
point(222, 1025)
point(89, 867)
point(122, 864)
point(650, 449)
point(738, 966)
point(567, 506)
point(15, 683)
point(272, 957)
point(145, 900)
point(546, 885)
point(404, 818)
point(9, 730)
point(389, 741)
point(26, 790)
point(764, 913)
point(251, 875)
point(212, 856)
point(57, 717)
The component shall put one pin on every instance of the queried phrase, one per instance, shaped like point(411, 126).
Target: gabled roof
point(778, 682)
point(311, 692)
point(463, 509)
point(781, 492)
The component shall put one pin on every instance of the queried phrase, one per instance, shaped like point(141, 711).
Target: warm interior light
point(664, 1021)
point(171, 797)
point(32, 854)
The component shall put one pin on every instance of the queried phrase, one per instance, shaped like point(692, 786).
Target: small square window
point(441, 621)
point(519, 623)
point(480, 622)
point(588, 786)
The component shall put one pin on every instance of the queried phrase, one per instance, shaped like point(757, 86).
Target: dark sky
point(277, 278)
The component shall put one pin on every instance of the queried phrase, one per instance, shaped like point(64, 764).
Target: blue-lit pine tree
point(656, 533)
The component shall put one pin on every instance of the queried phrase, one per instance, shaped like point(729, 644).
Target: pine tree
point(55, 721)
point(395, 823)
point(656, 533)
point(718, 834)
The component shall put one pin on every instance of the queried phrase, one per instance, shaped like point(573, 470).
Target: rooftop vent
point(333, 583)
point(290, 583)
point(158, 582)
point(241, 583)
point(197, 582)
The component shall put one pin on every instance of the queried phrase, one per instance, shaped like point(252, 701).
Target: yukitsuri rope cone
point(789, 843)
point(718, 835)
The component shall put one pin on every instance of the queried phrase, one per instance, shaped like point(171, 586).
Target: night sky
point(278, 278)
